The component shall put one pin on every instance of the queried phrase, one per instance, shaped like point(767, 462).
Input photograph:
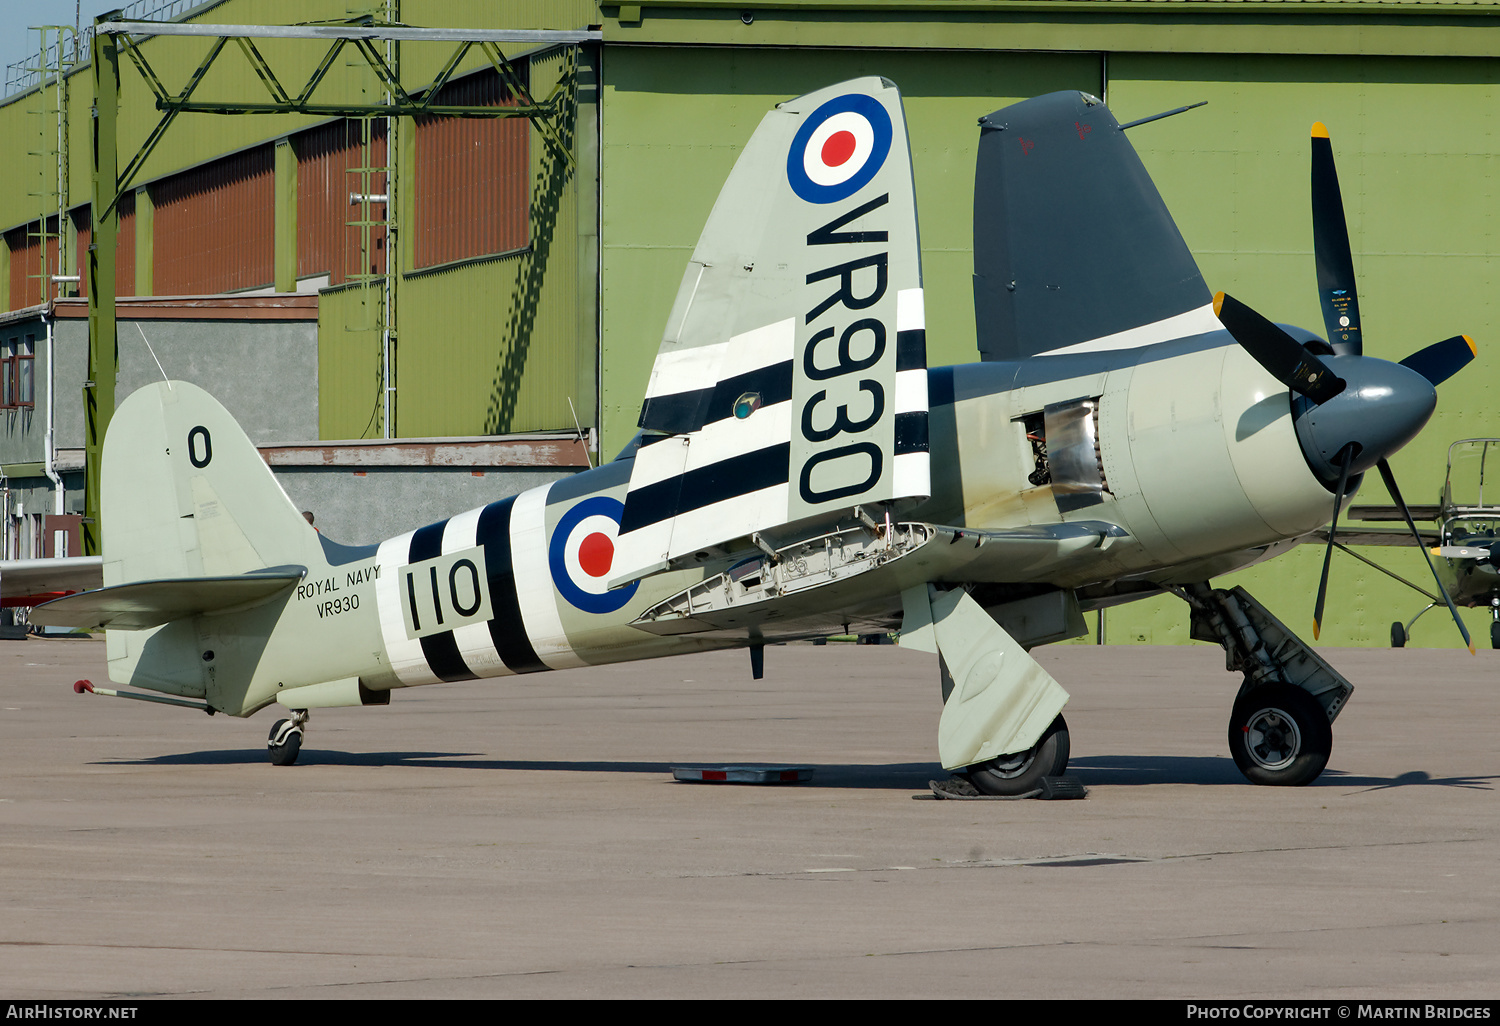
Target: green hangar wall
point(1408, 92)
point(493, 344)
point(493, 341)
point(513, 340)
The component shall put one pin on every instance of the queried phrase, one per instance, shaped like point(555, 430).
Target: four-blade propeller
point(1351, 411)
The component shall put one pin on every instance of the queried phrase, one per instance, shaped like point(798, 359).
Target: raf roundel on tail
point(802, 472)
point(839, 148)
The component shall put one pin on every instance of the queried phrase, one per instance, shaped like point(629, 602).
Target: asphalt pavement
point(523, 837)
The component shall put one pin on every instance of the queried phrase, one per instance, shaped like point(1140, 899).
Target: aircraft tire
point(285, 753)
point(1022, 773)
point(1495, 634)
point(1280, 736)
point(1398, 635)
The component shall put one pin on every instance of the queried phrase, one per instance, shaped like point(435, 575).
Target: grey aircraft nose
point(1382, 407)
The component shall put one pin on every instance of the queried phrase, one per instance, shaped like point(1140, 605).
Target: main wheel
point(1022, 773)
point(1398, 635)
point(1495, 634)
point(1279, 735)
point(284, 743)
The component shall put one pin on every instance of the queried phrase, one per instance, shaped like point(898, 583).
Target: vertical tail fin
point(184, 493)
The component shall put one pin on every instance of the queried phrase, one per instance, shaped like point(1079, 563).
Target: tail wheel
point(1398, 635)
point(1279, 735)
point(284, 742)
point(1022, 773)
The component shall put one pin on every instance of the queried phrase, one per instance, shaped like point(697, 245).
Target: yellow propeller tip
point(1472, 347)
point(1218, 302)
point(1471, 649)
point(1319, 130)
point(1316, 627)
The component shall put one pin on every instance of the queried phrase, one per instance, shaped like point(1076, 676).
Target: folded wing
point(791, 381)
point(1074, 250)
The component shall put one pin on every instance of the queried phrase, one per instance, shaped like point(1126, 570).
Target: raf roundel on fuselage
point(582, 554)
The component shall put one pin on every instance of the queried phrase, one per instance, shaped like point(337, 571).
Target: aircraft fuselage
point(1188, 447)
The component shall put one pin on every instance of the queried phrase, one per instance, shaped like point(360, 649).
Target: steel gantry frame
point(114, 36)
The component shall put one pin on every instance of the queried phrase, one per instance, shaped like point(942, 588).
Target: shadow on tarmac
point(1220, 769)
point(901, 776)
point(1093, 771)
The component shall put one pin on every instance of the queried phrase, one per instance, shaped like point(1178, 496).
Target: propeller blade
point(1276, 351)
point(1336, 291)
point(1441, 360)
point(1390, 486)
point(1346, 457)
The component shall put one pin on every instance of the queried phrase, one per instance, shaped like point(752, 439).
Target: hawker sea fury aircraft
point(801, 472)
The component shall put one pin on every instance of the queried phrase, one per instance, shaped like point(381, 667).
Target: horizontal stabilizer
point(28, 582)
point(142, 605)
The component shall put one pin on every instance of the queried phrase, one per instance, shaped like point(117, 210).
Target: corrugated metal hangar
point(413, 313)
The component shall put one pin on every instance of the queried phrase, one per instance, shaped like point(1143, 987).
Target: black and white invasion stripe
point(500, 645)
point(732, 478)
point(913, 467)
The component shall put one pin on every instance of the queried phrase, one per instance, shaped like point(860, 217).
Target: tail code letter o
point(194, 445)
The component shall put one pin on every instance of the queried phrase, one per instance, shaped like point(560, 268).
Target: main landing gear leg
point(1002, 722)
point(1280, 730)
point(285, 741)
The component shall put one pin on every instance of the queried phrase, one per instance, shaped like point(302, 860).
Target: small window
point(24, 388)
point(8, 373)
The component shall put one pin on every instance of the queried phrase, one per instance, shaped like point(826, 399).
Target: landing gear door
point(1002, 700)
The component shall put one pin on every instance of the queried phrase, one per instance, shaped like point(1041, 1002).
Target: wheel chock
point(959, 789)
point(1062, 789)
